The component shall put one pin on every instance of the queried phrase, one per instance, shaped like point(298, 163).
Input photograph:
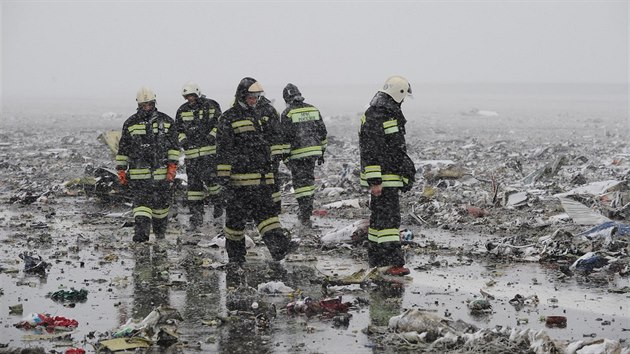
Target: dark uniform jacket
point(304, 131)
point(243, 153)
point(196, 125)
point(148, 142)
point(270, 122)
point(384, 158)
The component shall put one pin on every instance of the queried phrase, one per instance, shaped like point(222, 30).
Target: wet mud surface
point(88, 245)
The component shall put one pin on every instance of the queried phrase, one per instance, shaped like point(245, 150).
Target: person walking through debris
point(386, 168)
point(270, 123)
point(244, 167)
point(147, 159)
point(305, 138)
point(197, 127)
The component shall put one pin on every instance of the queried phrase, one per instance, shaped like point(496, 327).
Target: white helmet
point(145, 95)
point(191, 88)
point(397, 87)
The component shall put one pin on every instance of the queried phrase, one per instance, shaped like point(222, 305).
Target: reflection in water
point(150, 279)
point(250, 330)
point(385, 302)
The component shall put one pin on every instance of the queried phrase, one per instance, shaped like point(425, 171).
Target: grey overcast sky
point(74, 49)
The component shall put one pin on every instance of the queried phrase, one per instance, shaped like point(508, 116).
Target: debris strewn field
point(517, 237)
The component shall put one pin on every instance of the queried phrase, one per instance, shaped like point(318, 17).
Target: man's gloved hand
point(320, 160)
point(171, 171)
point(122, 177)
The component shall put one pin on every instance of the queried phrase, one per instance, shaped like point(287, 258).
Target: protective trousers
point(151, 202)
point(247, 203)
point(384, 248)
point(275, 192)
point(303, 176)
point(199, 172)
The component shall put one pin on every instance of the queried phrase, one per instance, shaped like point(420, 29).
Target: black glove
point(320, 160)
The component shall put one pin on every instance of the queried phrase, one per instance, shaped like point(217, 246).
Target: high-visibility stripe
point(188, 116)
point(159, 174)
point(224, 170)
point(213, 132)
point(269, 178)
point(324, 144)
point(241, 126)
point(391, 180)
point(214, 189)
point(191, 153)
point(372, 171)
point(173, 155)
point(207, 150)
point(181, 136)
point(268, 225)
point(385, 235)
point(276, 196)
point(306, 151)
point(286, 148)
point(391, 126)
point(234, 235)
point(195, 195)
point(122, 160)
point(160, 213)
point(137, 129)
point(139, 173)
point(277, 149)
point(142, 211)
point(304, 191)
point(388, 180)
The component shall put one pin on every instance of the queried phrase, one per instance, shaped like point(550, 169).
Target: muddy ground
point(87, 242)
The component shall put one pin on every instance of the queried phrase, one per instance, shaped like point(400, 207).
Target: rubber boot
point(279, 243)
point(236, 251)
point(196, 215)
point(159, 228)
point(305, 211)
point(142, 229)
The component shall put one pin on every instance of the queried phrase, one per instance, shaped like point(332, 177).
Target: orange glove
point(171, 171)
point(122, 177)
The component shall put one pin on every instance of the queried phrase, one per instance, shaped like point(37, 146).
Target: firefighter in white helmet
point(147, 159)
point(197, 127)
point(385, 169)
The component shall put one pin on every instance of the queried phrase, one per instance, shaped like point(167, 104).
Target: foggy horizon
point(68, 54)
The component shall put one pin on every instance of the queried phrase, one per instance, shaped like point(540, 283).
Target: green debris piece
point(71, 295)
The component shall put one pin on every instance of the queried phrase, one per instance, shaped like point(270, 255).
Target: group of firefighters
point(232, 158)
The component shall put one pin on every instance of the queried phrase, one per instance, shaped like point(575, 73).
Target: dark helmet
point(246, 87)
point(291, 93)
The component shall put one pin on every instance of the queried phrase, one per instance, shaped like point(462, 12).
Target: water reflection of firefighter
point(150, 280)
point(386, 302)
point(251, 332)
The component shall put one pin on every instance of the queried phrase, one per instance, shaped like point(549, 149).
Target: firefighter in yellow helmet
point(197, 127)
point(385, 169)
point(147, 159)
point(244, 167)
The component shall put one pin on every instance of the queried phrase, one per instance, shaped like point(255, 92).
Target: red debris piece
point(325, 306)
point(397, 271)
point(75, 351)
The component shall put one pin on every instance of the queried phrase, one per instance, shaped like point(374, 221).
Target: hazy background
point(76, 56)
